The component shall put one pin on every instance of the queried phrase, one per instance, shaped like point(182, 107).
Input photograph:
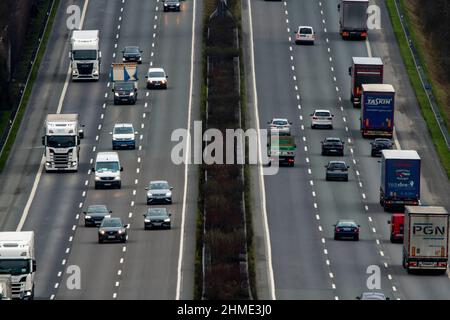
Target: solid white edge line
point(186, 166)
point(26, 210)
point(261, 176)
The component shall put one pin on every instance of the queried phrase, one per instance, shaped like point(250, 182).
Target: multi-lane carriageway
point(303, 262)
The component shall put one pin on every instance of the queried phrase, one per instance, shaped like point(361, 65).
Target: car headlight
point(117, 178)
point(95, 71)
point(120, 231)
point(168, 194)
point(131, 94)
point(146, 220)
point(97, 179)
point(114, 139)
point(102, 232)
point(116, 94)
point(164, 81)
point(167, 220)
point(149, 194)
point(108, 216)
point(88, 217)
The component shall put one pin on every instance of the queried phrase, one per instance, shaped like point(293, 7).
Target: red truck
point(397, 227)
point(364, 70)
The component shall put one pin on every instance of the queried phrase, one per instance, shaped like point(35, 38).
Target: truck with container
point(377, 110)
point(353, 16)
point(17, 259)
point(364, 70)
point(5, 287)
point(124, 77)
point(85, 55)
point(425, 245)
point(62, 136)
point(400, 179)
point(281, 150)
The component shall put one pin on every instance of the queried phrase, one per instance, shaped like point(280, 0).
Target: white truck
point(62, 135)
point(5, 287)
point(18, 260)
point(85, 54)
point(425, 243)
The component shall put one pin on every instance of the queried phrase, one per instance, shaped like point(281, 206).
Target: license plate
point(332, 150)
point(124, 99)
point(347, 229)
point(107, 184)
point(111, 237)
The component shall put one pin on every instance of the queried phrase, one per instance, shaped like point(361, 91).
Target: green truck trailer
point(281, 150)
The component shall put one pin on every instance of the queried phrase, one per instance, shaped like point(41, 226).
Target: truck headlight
point(97, 178)
point(117, 178)
point(95, 72)
point(131, 94)
point(168, 194)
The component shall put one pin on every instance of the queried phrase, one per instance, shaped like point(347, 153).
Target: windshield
point(61, 141)
point(84, 54)
point(107, 166)
point(279, 122)
point(156, 74)
point(133, 50)
point(112, 223)
point(159, 186)
point(305, 31)
point(338, 165)
point(346, 224)
point(123, 130)
point(97, 209)
point(124, 86)
point(157, 212)
point(322, 114)
point(14, 267)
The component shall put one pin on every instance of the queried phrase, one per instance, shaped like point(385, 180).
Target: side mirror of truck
point(170, 214)
point(93, 169)
point(387, 298)
point(99, 55)
point(146, 188)
point(70, 55)
point(171, 188)
point(43, 141)
point(112, 89)
point(110, 211)
point(358, 298)
point(349, 71)
point(121, 169)
point(339, 7)
point(126, 226)
point(136, 132)
point(141, 51)
point(34, 265)
point(389, 222)
point(268, 122)
point(290, 122)
point(81, 134)
point(135, 89)
point(348, 167)
point(167, 77)
point(146, 77)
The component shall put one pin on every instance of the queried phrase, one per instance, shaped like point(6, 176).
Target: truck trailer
point(377, 110)
point(85, 55)
point(17, 259)
point(353, 18)
point(364, 71)
point(62, 135)
point(425, 245)
point(400, 179)
point(281, 150)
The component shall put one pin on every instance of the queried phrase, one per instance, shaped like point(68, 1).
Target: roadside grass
point(31, 41)
point(4, 118)
point(433, 128)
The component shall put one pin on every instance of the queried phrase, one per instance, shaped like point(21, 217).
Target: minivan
point(107, 170)
point(397, 227)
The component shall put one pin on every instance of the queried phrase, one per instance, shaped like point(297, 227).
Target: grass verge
point(433, 127)
point(33, 38)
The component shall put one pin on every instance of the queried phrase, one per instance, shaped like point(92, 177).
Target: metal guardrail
point(7, 132)
point(423, 77)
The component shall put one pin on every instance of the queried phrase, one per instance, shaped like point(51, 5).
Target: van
point(397, 222)
point(107, 170)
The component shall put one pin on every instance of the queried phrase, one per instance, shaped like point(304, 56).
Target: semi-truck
point(364, 70)
point(62, 135)
point(124, 77)
point(281, 149)
point(353, 18)
point(17, 259)
point(400, 179)
point(85, 55)
point(425, 244)
point(377, 110)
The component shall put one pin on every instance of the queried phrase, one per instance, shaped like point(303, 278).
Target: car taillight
point(314, 118)
point(338, 229)
point(413, 264)
point(442, 264)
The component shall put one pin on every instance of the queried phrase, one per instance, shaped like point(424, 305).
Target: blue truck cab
point(400, 179)
point(377, 110)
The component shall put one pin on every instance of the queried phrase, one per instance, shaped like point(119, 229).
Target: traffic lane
point(298, 263)
point(17, 177)
point(146, 277)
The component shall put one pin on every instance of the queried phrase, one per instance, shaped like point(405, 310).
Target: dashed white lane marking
point(86, 182)
point(331, 275)
point(67, 250)
point(117, 283)
point(320, 228)
point(301, 117)
point(385, 265)
point(313, 194)
point(307, 160)
point(119, 272)
point(309, 171)
point(56, 285)
point(132, 204)
point(364, 196)
point(323, 240)
point(325, 251)
point(377, 241)
point(395, 289)
point(74, 227)
point(374, 230)
point(118, 27)
point(76, 218)
point(311, 182)
point(306, 149)
point(333, 286)
point(52, 297)
point(124, 249)
point(121, 261)
point(81, 205)
point(389, 277)
point(315, 205)
point(327, 262)
point(136, 181)
point(130, 215)
point(317, 217)
point(59, 274)
point(93, 149)
point(70, 239)
point(360, 183)
point(382, 253)
point(366, 207)
point(336, 298)
point(370, 219)
point(114, 295)
point(63, 262)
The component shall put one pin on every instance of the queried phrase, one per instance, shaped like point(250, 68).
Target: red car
point(396, 222)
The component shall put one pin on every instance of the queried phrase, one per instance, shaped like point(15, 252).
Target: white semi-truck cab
point(85, 54)
point(62, 135)
point(18, 260)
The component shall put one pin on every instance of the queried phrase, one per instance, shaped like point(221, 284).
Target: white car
point(322, 118)
point(156, 78)
point(280, 125)
point(305, 34)
point(123, 136)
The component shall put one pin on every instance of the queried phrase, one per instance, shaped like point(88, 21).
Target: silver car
point(336, 170)
point(159, 192)
point(322, 118)
point(280, 126)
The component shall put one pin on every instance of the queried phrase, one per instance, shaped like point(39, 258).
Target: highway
point(292, 81)
point(152, 264)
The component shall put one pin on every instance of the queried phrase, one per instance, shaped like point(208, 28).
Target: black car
point(125, 92)
point(380, 144)
point(333, 146)
point(95, 214)
point(157, 218)
point(112, 229)
point(132, 54)
point(336, 170)
point(172, 5)
point(346, 229)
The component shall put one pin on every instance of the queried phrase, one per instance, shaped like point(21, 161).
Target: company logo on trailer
point(379, 101)
point(427, 229)
point(402, 174)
